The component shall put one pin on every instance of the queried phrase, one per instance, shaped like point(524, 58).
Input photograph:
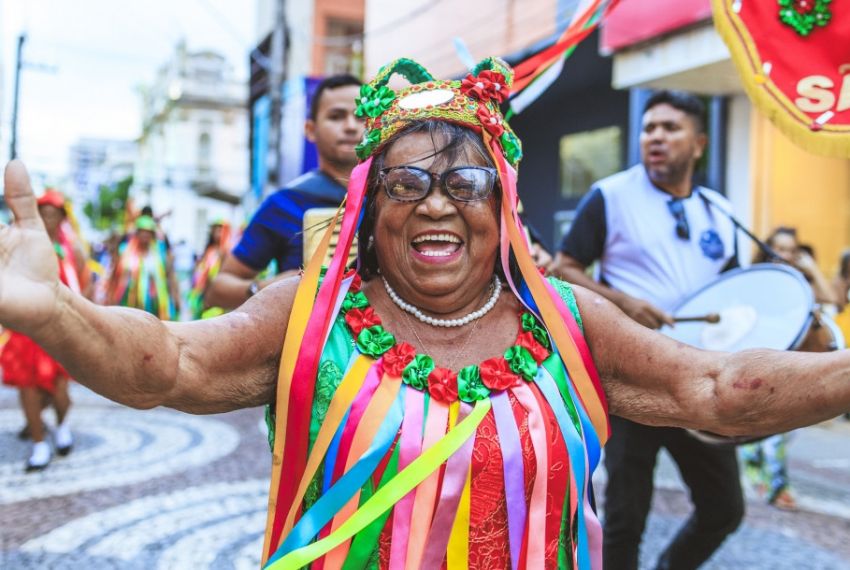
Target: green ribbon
point(365, 544)
point(469, 386)
point(368, 144)
point(375, 341)
point(354, 301)
point(416, 372)
point(529, 323)
point(521, 362)
point(387, 496)
point(512, 147)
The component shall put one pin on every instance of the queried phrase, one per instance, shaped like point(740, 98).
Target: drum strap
point(771, 255)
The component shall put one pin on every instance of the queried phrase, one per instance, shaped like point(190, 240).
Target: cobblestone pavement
point(165, 490)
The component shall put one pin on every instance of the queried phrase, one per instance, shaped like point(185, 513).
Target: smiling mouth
point(436, 245)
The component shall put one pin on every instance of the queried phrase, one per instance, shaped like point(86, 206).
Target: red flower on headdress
point(528, 342)
point(397, 358)
point(485, 86)
point(492, 122)
point(442, 385)
point(496, 374)
point(359, 319)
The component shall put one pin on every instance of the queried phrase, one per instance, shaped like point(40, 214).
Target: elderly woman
point(444, 404)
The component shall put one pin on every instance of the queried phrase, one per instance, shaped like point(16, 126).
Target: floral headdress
point(472, 102)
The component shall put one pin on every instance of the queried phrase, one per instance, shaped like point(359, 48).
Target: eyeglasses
point(464, 183)
point(677, 209)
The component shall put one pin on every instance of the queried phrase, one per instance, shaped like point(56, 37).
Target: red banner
point(636, 21)
point(793, 57)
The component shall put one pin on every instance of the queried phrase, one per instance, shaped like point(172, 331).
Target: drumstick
point(709, 318)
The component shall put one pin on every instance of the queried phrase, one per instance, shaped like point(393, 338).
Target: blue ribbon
point(338, 496)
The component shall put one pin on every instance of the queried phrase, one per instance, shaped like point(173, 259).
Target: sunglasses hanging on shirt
point(677, 210)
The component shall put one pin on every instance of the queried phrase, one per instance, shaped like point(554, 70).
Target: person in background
point(658, 238)
point(142, 277)
point(274, 232)
point(783, 240)
point(766, 461)
point(41, 381)
point(208, 266)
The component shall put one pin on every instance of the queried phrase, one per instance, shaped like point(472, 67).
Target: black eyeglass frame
point(677, 209)
point(439, 179)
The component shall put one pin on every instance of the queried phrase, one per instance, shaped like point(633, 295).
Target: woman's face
point(437, 246)
point(785, 246)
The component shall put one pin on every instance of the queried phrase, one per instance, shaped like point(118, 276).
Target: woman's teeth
point(437, 237)
point(436, 245)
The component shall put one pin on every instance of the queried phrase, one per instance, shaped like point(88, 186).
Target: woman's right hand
point(29, 280)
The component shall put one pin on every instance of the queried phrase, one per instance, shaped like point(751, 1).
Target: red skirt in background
point(26, 365)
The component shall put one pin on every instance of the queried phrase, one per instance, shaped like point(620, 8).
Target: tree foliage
point(108, 210)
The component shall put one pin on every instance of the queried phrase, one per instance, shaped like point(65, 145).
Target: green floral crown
point(472, 102)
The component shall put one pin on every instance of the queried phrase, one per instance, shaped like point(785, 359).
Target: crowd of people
point(443, 378)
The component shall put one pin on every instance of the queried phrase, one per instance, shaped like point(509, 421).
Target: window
point(204, 153)
point(342, 53)
point(588, 156)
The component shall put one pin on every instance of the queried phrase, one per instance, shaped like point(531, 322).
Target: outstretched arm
point(652, 379)
point(128, 355)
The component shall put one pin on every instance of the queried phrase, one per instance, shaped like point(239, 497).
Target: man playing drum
point(658, 239)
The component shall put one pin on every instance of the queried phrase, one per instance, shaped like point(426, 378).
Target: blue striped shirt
point(274, 232)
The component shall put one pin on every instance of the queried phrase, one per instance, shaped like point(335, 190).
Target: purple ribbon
point(454, 478)
point(512, 465)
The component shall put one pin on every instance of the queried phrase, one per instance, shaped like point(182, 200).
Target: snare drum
point(767, 305)
point(764, 306)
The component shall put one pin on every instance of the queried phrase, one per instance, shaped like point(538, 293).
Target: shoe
point(784, 500)
point(63, 439)
point(40, 457)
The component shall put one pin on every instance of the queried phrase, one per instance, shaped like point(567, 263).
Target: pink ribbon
point(454, 478)
point(410, 444)
point(536, 557)
point(426, 492)
point(514, 472)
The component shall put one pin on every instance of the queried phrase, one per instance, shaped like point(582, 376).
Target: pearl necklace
point(459, 322)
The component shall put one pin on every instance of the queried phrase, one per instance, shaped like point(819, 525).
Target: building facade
point(193, 165)
point(324, 37)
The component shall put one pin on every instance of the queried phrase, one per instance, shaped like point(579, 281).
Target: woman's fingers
point(19, 196)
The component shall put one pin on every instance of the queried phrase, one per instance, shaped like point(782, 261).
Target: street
point(162, 489)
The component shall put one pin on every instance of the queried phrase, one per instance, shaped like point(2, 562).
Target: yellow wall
point(792, 187)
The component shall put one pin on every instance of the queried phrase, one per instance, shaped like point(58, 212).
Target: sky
point(85, 60)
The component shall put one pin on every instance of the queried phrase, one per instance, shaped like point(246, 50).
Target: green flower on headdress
point(372, 102)
point(511, 146)
point(370, 140)
point(375, 341)
point(416, 372)
point(470, 388)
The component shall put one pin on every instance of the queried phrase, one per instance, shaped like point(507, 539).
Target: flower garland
point(470, 384)
point(804, 15)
